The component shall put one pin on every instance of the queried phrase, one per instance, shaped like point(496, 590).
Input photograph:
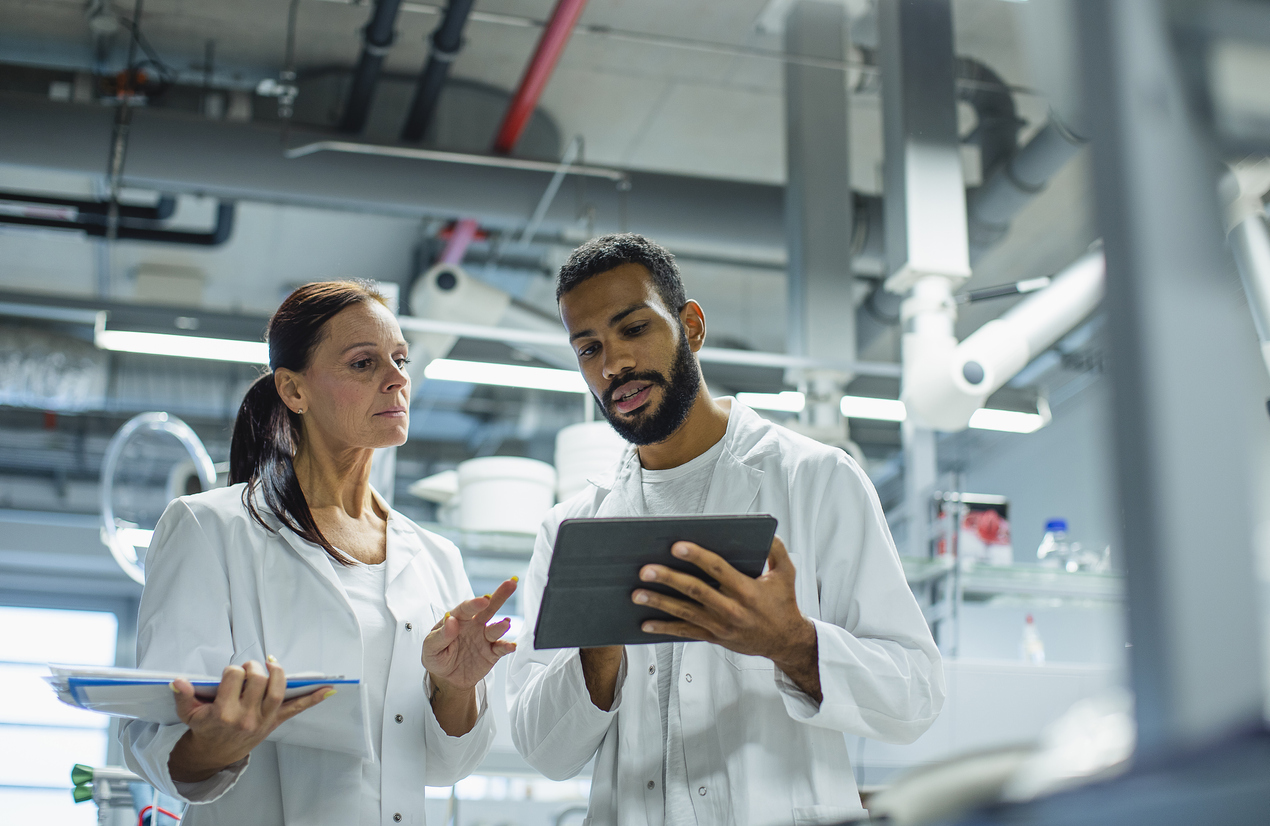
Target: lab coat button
point(397, 817)
point(410, 626)
point(702, 791)
point(652, 669)
point(651, 784)
point(688, 677)
point(399, 718)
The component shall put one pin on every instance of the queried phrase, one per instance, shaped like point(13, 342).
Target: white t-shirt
point(365, 585)
point(676, 491)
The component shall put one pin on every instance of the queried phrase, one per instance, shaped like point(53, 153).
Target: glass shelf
point(979, 581)
point(486, 544)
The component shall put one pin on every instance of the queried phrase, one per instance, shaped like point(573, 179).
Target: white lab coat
point(758, 750)
point(221, 589)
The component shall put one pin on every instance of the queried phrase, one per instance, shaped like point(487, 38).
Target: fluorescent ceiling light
point(786, 401)
point(193, 347)
point(506, 375)
point(1011, 421)
point(985, 418)
point(867, 407)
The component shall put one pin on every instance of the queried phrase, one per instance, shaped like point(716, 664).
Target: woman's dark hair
point(608, 251)
point(266, 432)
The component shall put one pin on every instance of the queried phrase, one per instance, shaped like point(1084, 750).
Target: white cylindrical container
point(505, 493)
point(584, 451)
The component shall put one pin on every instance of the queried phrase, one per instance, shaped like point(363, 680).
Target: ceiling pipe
point(1010, 185)
point(555, 36)
point(1015, 182)
point(163, 208)
point(1243, 189)
point(944, 382)
point(445, 43)
point(377, 39)
point(131, 229)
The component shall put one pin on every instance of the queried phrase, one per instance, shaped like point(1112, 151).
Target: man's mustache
point(653, 378)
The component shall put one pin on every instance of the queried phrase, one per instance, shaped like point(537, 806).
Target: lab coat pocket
point(824, 815)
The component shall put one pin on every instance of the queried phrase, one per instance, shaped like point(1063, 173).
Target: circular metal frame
point(124, 552)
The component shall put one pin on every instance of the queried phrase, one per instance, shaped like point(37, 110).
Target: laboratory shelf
point(486, 544)
point(983, 581)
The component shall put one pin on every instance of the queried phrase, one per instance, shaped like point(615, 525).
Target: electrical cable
point(141, 818)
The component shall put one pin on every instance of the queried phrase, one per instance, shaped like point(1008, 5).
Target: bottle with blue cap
point(1055, 548)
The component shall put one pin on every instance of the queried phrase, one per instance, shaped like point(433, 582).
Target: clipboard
point(595, 569)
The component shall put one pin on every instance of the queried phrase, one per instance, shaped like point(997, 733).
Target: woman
point(300, 564)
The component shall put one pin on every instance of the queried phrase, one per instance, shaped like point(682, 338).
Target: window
point(43, 738)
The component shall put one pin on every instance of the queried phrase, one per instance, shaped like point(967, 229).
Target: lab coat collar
point(401, 556)
point(735, 483)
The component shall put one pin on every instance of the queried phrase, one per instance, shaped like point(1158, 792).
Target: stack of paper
point(336, 723)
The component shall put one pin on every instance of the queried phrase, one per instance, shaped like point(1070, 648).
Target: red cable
point(141, 818)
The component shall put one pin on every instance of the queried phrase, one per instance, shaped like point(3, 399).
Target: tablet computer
point(595, 569)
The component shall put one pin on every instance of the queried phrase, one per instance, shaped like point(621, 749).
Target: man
point(742, 722)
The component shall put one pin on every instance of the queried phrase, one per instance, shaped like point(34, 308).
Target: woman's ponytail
point(266, 432)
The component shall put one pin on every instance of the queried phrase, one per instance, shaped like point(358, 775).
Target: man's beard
point(679, 392)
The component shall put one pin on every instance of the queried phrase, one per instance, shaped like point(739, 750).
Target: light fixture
point(786, 401)
point(868, 407)
point(1010, 421)
point(985, 418)
point(506, 375)
point(192, 347)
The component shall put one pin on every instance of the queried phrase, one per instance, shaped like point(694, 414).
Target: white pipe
point(1249, 239)
point(944, 383)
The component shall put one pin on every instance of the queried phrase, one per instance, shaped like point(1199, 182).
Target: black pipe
point(163, 209)
point(377, 39)
point(446, 42)
point(135, 229)
point(997, 129)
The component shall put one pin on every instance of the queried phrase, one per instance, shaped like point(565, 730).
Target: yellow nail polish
point(330, 693)
point(447, 615)
point(487, 596)
point(272, 659)
point(172, 685)
point(515, 579)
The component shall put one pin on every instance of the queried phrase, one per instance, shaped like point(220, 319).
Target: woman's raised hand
point(464, 645)
point(249, 705)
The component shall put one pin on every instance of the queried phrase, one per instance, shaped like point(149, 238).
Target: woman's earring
point(300, 412)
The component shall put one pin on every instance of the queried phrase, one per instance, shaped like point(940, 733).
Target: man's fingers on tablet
point(729, 578)
point(686, 584)
point(676, 629)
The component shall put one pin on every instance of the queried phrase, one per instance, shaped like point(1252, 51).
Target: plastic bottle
point(1033, 648)
point(1054, 548)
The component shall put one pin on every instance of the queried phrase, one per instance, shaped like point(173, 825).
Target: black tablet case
point(595, 569)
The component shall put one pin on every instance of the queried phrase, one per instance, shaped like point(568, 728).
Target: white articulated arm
point(1249, 238)
point(944, 383)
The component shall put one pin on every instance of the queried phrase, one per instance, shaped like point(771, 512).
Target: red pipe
point(554, 38)
point(460, 238)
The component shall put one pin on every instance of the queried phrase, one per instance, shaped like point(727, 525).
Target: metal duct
point(997, 122)
point(172, 152)
point(377, 39)
point(445, 42)
point(992, 206)
point(86, 210)
point(128, 229)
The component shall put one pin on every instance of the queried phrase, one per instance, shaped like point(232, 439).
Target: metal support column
point(818, 198)
point(1183, 365)
point(924, 207)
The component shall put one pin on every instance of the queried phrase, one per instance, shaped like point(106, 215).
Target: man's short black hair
point(608, 251)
